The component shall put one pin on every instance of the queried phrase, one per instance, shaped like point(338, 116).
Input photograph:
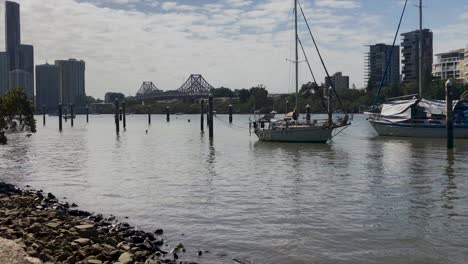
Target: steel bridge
point(195, 87)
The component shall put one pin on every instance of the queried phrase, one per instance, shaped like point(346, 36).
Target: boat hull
point(307, 134)
point(418, 130)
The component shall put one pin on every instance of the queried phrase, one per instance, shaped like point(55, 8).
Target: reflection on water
point(359, 199)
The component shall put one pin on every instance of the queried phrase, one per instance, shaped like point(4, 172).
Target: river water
point(358, 199)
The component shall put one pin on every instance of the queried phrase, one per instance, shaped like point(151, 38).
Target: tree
point(16, 113)
point(110, 97)
point(259, 95)
point(222, 92)
point(244, 95)
point(308, 89)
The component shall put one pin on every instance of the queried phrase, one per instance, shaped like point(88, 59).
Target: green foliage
point(16, 113)
point(110, 97)
point(244, 95)
point(222, 92)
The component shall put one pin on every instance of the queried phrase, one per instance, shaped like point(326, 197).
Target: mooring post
point(230, 114)
point(124, 112)
point(60, 116)
point(149, 115)
point(202, 115)
point(87, 114)
point(210, 111)
point(120, 114)
point(287, 106)
point(71, 115)
point(308, 114)
point(117, 122)
point(65, 113)
point(449, 116)
point(43, 115)
point(168, 114)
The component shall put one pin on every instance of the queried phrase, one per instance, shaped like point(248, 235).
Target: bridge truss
point(196, 85)
point(148, 89)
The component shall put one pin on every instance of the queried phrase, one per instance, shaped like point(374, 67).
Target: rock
point(159, 232)
point(34, 228)
point(53, 225)
point(94, 261)
point(74, 205)
point(200, 253)
point(176, 256)
point(51, 196)
point(86, 230)
point(126, 258)
point(82, 241)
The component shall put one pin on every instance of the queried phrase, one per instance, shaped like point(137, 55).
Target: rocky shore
point(57, 232)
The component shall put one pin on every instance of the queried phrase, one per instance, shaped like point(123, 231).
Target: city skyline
point(220, 39)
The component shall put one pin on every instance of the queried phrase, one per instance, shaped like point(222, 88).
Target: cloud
point(233, 43)
point(337, 3)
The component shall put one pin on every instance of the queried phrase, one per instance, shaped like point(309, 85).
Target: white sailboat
point(416, 117)
point(290, 128)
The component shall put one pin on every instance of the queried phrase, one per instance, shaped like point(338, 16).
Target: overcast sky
point(232, 43)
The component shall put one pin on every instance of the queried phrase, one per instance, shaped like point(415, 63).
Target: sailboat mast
point(421, 39)
point(297, 53)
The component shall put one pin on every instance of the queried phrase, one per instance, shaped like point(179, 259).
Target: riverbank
point(57, 232)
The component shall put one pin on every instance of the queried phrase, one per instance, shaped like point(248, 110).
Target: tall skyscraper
point(22, 79)
point(377, 60)
point(12, 31)
point(4, 72)
point(47, 87)
point(25, 59)
point(72, 82)
point(410, 50)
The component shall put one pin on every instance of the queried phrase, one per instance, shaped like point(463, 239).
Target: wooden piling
point(230, 114)
point(120, 114)
point(124, 112)
point(168, 114)
point(449, 109)
point(87, 114)
point(60, 116)
point(65, 113)
point(202, 115)
point(149, 115)
point(71, 115)
point(210, 112)
point(43, 115)
point(308, 114)
point(117, 122)
point(287, 106)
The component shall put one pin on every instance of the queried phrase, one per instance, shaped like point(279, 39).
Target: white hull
point(418, 130)
point(296, 134)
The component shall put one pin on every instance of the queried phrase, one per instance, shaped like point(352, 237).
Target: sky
point(232, 43)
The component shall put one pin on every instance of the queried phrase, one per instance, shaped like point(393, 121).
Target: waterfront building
point(340, 81)
point(22, 79)
point(410, 50)
point(72, 82)
point(12, 31)
point(450, 65)
point(47, 87)
point(466, 65)
point(4, 72)
point(377, 59)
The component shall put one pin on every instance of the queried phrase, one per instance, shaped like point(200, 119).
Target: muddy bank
point(57, 232)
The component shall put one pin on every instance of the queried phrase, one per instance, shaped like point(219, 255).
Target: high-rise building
point(25, 59)
point(12, 31)
point(410, 50)
point(450, 65)
point(377, 58)
point(4, 72)
point(340, 81)
point(72, 82)
point(47, 87)
point(466, 64)
point(22, 79)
